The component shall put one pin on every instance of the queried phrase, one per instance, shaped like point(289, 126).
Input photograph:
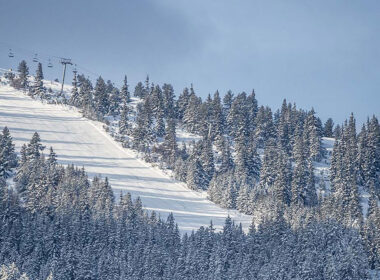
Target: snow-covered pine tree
point(269, 167)
point(114, 102)
point(282, 180)
point(22, 81)
point(227, 162)
point(182, 103)
point(143, 134)
point(252, 110)
point(8, 159)
point(139, 90)
point(169, 146)
point(238, 117)
point(147, 88)
point(371, 165)
point(351, 203)
point(310, 192)
point(207, 161)
point(191, 115)
point(218, 121)
point(337, 131)
point(283, 128)
point(34, 148)
point(38, 87)
point(299, 178)
point(86, 97)
point(195, 174)
point(124, 127)
point(124, 92)
point(75, 97)
point(264, 127)
point(101, 101)
point(158, 110)
point(312, 137)
point(168, 97)
point(328, 128)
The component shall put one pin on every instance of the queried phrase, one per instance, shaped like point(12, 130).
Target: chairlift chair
point(10, 54)
point(35, 59)
point(50, 65)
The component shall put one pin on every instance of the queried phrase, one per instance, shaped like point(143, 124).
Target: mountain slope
point(84, 143)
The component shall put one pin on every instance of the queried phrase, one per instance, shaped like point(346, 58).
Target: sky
point(320, 54)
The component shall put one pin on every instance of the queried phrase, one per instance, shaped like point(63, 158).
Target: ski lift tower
point(64, 62)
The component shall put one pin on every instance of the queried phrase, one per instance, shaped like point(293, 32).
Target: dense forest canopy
point(58, 223)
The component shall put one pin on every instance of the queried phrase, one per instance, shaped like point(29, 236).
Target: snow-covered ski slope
point(84, 143)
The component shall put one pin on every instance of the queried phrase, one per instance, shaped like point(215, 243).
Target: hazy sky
point(321, 54)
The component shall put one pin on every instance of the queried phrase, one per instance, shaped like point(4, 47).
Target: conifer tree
point(147, 88)
point(143, 134)
point(170, 147)
point(371, 162)
point(207, 161)
point(227, 103)
point(217, 123)
point(168, 98)
point(8, 159)
point(124, 92)
point(328, 128)
point(114, 102)
point(195, 174)
point(312, 137)
point(182, 103)
point(101, 101)
point(310, 193)
point(34, 148)
point(283, 129)
point(282, 180)
point(252, 110)
point(85, 93)
point(139, 90)
point(38, 87)
point(191, 114)
point(226, 157)
point(75, 98)
point(123, 122)
point(299, 178)
point(158, 110)
point(23, 70)
point(268, 170)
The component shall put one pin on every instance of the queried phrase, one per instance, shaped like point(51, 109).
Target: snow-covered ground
point(84, 143)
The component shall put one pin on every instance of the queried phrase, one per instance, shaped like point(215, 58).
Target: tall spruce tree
point(124, 127)
point(182, 103)
point(114, 102)
point(23, 70)
point(125, 94)
point(328, 128)
point(38, 87)
point(8, 159)
point(169, 146)
point(101, 100)
point(75, 97)
point(168, 98)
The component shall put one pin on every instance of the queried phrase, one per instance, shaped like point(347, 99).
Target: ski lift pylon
point(10, 54)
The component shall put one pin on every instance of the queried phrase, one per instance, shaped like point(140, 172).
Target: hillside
point(82, 142)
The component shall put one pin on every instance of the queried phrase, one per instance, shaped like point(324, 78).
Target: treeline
point(56, 224)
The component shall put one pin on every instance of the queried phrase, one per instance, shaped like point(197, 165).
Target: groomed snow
point(84, 143)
